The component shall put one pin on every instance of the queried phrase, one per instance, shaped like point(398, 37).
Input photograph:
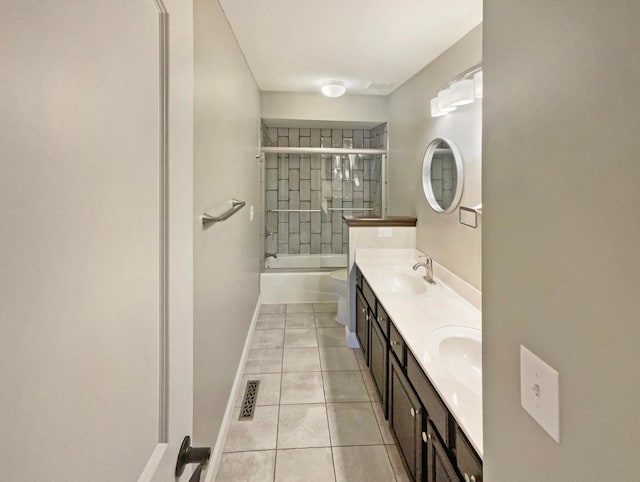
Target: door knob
point(192, 455)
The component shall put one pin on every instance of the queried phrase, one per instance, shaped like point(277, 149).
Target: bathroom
point(129, 311)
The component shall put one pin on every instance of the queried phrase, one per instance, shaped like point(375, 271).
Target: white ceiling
point(297, 45)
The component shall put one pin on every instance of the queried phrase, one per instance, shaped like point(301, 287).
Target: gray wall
point(226, 140)
point(561, 234)
point(411, 128)
point(317, 107)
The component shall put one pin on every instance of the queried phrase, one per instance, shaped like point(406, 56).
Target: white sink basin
point(400, 283)
point(460, 350)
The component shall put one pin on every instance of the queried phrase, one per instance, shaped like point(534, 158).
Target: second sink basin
point(400, 283)
point(460, 349)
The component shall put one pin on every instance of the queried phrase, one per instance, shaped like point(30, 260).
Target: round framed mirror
point(442, 175)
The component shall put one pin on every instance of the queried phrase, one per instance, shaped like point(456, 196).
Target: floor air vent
point(249, 401)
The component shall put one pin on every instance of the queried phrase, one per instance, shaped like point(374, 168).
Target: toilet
point(339, 278)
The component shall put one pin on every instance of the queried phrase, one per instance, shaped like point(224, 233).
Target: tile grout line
point(314, 447)
point(326, 410)
point(280, 400)
point(275, 457)
point(378, 422)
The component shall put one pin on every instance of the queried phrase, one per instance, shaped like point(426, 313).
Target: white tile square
point(300, 338)
point(344, 387)
point(337, 358)
point(303, 426)
point(258, 433)
point(247, 466)
point(301, 388)
point(304, 465)
point(267, 339)
point(300, 308)
point(362, 464)
point(301, 360)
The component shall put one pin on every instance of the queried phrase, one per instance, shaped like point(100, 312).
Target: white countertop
point(417, 317)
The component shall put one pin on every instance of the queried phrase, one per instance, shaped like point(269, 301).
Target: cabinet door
point(378, 355)
point(439, 466)
point(362, 324)
point(406, 420)
point(469, 464)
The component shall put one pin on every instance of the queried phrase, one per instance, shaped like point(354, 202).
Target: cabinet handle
point(413, 412)
point(364, 309)
point(424, 437)
point(394, 343)
point(380, 319)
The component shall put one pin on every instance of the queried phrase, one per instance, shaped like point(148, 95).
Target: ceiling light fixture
point(333, 88)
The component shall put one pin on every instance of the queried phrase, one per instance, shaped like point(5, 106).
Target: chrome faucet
point(270, 255)
point(428, 265)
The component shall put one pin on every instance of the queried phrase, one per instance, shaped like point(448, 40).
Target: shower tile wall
point(318, 181)
point(443, 178)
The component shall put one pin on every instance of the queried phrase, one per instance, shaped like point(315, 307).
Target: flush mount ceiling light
point(334, 88)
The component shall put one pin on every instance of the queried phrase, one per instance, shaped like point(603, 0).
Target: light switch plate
point(385, 232)
point(540, 392)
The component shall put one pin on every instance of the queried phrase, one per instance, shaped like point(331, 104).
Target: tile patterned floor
point(318, 416)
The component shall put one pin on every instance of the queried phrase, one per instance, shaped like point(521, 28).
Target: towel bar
point(235, 207)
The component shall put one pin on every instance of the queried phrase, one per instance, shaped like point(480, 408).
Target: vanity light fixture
point(463, 90)
point(333, 88)
point(435, 108)
point(477, 84)
point(445, 101)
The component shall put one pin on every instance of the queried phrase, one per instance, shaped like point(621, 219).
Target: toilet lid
point(339, 275)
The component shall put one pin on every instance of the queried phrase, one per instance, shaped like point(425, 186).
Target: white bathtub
point(307, 261)
point(305, 284)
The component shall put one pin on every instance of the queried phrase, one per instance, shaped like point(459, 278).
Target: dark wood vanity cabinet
point(362, 324)
point(406, 418)
point(378, 356)
point(434, 448)
point(469, 463)
point(439, 467)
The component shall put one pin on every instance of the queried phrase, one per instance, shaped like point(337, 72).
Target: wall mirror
point(442, 175)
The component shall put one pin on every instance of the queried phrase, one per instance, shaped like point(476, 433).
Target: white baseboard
point(216, 455)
